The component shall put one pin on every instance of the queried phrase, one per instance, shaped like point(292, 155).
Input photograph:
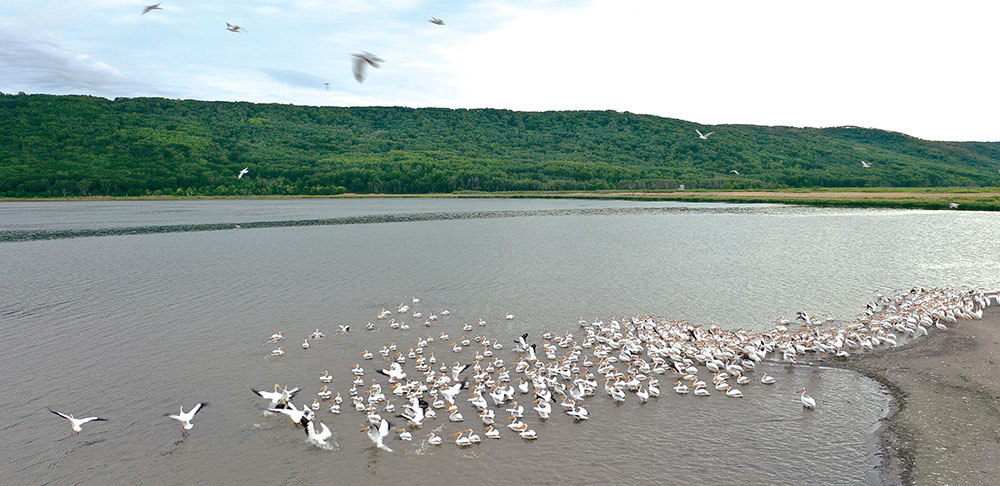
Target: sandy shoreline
point(943, 426)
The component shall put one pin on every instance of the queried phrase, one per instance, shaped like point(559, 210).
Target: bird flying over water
point(233, 28)
point(151, 7)
point(436, 21)
point(361, 63)
point(701, 136)
point(185, 417)
point(865, 164)
point(243, 172)
point(75, 423)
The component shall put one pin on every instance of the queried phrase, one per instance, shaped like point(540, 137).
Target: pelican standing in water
point(75, 423)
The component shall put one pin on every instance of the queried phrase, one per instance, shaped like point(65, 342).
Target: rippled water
point(130, 327)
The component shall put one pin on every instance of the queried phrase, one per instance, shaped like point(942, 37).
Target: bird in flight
point(734, 171)
point(185, 417)
point(436, 21)
point(151, 7)
point(243, 172)
point(233, 28)
point(75, 423)
point(327, 85)
point(701, 136)
point(362, 61)
point(865, 164)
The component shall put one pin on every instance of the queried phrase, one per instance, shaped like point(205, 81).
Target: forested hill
point(79, 146)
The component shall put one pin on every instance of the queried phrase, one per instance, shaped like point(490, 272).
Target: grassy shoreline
point(979, 199)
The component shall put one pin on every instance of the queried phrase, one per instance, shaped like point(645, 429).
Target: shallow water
point(131, 327)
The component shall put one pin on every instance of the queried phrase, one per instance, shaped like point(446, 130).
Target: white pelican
point(367, 354)
point(297, 416)
point(376, 435)
point(455, 415)
point(233, 28)
point(278, 336)
point(578, 413)
point(317, 334)
point(324, 393)
point(320, 437)
point(433, 439)
point(528, 435)
point(185, 417)
point(734, 171)
point(75, 423)
point(492, 433)
point(461, 440)
point(807, 401)
point(315, 405)
point(278, 352)
point(865, 164)
point(416, 300)
point(305, 344)
point(151, 8)
point(509, 316)
point(703, 136)
point(325, 377)
point(766, 379)
point(543, 408)
point(276, 396)
point(733, 392)
point(433, 20)
point(369, 326)
point(344, 328)
point(404, 435)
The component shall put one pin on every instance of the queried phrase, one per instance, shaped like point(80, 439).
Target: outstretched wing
point(67, 417)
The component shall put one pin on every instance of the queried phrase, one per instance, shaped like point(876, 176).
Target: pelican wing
point(67, 417)
point(359, 68)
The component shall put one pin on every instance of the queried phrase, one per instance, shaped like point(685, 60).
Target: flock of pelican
point(624, 358)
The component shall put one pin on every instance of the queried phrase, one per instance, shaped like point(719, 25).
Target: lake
point(131, 326)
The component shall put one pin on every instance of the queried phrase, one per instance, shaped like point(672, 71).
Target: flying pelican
point(436, 21)
point(75, 423)
point(734, 171)
point(865, 164)
point(276, 397)
point(297, 416)
point(362, 61)
point(233, 28)
point(705, 136)
point(243, 172)
point(185, 417)
point(318, 438)
point(377, 435)
point(807, 401)
point(151, 7)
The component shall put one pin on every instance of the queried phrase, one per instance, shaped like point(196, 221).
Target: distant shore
point(943, 425)
point(985, 199)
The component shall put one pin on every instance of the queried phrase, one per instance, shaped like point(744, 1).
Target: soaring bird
point(865, 164)
point(185, 417)
point(436, 21)
point(243, 173)
point(734, 171)
point(233, 28)
point(151, 7)
point(703, 136)
point(75, 423)
point(362, 61)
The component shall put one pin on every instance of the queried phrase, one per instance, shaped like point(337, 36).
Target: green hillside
point(53, 146)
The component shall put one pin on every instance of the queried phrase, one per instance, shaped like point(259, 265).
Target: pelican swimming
point(492, 433)
point(461, 440)
point(433, 439)
point(185, 417)
point(807, 401)
point(75, 423)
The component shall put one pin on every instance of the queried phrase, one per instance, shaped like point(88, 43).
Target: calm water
point(131, 327)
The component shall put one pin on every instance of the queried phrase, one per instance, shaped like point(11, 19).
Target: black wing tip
point(101, 420)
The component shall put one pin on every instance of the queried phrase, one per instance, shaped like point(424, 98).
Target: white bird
point(703, 136)
point(378, 435)
point(865, 164)
point(734, 171)
point(186, 417)
point(509, 316)
point(305, 344)
point(278, 336)
point(346, 328)
point(276, 396)
point(233, 28)
point(150, 8)
point(320, 437)
point(436, 21)
point(807, 401)
point(952, 205)
point(243, 172)
point(75, 423)
point(362, 61)
point(297, 416)
point(278, 352)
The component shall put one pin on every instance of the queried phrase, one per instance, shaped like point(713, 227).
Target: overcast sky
point(926, 68)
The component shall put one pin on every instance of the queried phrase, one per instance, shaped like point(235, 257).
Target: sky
point(925, 68)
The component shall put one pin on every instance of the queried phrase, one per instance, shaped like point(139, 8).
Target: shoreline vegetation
point(980, 199)
point(943, 425)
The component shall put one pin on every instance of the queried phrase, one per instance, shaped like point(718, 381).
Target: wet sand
point(944, 423)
